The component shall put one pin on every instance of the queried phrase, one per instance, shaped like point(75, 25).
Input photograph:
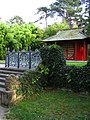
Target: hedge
point(53, 72)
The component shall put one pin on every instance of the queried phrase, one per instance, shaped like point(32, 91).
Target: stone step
point(2, 90)
point(11, 72)
point(2, 84)
point(2, 79)
point(7, 96)
point(14, 69)
point(3, 75)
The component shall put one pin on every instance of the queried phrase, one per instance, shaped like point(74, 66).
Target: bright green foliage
point(3, 31)
point(23, 36)
point(42, 69)
point(15, 36)
point(11, 42)
point(78, 64)
point(53, 29)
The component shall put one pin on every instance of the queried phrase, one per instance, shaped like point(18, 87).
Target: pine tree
point(67, 9)
point(45, 13)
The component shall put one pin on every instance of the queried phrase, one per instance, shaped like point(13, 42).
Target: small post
point(29, 57)
point(8, 56)
point(18, 59)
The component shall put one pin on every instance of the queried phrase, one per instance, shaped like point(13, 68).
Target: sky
point(23, 8)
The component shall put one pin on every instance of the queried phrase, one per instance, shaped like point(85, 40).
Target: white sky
point(23, 8)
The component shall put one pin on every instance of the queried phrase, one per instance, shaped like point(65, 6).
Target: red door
point(80, 51)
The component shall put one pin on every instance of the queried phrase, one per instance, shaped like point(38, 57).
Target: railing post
point(8, 57)
point(18, 60)
point(29, 58)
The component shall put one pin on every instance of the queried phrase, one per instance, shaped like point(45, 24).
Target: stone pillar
point(8, 97)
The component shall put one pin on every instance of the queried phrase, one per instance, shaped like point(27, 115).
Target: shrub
point(78, 78)
point(43, 71)
point(59, 74)
point(53, 59)
point(30, 83)
point(85, 78)
point(52, 56)
point(53, 72)
point(73, 78)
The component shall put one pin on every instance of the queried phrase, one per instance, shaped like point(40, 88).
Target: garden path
point(2, 65)
point(3, 110)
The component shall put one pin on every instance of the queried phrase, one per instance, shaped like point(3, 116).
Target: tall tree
point(86, 3)
point(87, 6)
point(44, 13)
point(16, 20)
point(67, 9)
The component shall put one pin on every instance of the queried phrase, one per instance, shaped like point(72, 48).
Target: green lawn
point(52, 105)
point(2, 61)
point(79, 64)
point(68, 63)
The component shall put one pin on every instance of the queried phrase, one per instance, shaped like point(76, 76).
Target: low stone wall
point(9, 96)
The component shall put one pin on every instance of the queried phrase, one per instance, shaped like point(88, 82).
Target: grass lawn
point(2, 61)
point(52, 105)
point(79, 64)
point(68, 63)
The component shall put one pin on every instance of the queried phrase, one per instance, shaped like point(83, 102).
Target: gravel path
point(3, 110)
point(2, 65)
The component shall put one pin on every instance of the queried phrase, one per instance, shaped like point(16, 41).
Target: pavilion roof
point(72, 34)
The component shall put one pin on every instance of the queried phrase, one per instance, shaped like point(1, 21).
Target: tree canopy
point(86, 13)
point(16, 20)
point(87, 6)
point(64, 8)
point(67, 9)
point(54, 28)
point(19, 36)
point(16, 34)
point(45, 13)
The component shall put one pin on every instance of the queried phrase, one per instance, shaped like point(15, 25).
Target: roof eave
point(64, 39)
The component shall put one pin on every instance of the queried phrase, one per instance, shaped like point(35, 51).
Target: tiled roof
point(73, 34)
